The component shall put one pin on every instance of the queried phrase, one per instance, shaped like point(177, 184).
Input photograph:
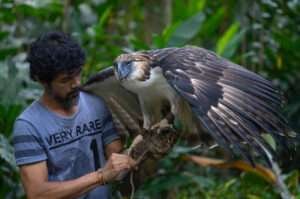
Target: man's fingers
point(118, 159)
point(129, 162)
point(117, 164)
point(122, 165)
point(118, 156)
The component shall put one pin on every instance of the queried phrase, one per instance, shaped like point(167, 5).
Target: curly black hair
point(54, 53)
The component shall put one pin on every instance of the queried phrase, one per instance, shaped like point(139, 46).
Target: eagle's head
point(133, 66)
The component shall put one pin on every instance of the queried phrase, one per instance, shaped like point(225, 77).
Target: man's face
point(64, 89)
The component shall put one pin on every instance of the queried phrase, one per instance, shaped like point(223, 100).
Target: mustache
point(74, 92)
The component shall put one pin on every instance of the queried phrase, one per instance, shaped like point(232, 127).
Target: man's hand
point(116, 164)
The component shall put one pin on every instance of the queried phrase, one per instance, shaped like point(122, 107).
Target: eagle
point(203, 91)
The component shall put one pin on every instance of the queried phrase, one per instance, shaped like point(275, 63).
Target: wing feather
point(123, 104)
point(229, 135)
point(235, 105)
point(245, 125)
point(239, 130)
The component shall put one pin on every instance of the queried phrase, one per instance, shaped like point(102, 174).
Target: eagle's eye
point(115, 65)
point(126, 63)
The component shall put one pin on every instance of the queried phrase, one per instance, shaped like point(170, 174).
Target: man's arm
point(35, 179)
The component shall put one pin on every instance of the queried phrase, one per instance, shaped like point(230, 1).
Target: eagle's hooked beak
point(123, 69)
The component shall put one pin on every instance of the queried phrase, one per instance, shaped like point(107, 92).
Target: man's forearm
point(66, 189)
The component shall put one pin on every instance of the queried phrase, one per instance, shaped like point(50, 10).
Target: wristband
point(101, 177)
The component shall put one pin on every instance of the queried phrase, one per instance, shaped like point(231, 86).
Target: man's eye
point(64, 81)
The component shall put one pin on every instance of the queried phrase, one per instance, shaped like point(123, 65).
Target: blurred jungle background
point(262, 35)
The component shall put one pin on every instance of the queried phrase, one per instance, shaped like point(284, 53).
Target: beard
point(68, 101)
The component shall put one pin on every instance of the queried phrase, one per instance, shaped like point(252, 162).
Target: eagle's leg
point(147, 122)
point(146, 114)
point(168, 112)
point(168, 118)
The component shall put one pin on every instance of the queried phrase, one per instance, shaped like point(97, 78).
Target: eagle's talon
point(162, 126)
point(165, 129)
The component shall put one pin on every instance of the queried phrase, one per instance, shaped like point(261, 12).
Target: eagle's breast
point(153, 93)
point(156, 86)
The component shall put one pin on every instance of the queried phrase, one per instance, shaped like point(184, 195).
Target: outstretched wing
point(123, 105)
point(233, 104)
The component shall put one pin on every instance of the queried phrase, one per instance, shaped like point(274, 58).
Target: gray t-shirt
point(71, 146)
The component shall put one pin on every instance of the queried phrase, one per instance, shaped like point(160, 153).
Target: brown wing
point(234, 105)
point(123, 105)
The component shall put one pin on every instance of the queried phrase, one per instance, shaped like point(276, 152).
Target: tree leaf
point(186, 30)
point(223, 43)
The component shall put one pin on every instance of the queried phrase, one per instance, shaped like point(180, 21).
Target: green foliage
point(186, 30)
point(179, 179)
point(230, 41)
point(261, 35)
point(11, 186)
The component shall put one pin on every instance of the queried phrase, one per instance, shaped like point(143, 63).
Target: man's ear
point(40, 81)
point(45, 84)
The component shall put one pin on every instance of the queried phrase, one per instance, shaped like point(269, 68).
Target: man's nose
point(75, 83)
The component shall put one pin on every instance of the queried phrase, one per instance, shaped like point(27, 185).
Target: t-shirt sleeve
point(27, 144)
point(109, 131)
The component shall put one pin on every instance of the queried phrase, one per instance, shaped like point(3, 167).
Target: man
point(63, 139)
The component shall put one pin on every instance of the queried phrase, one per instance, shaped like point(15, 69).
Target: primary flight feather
point(204, 91)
